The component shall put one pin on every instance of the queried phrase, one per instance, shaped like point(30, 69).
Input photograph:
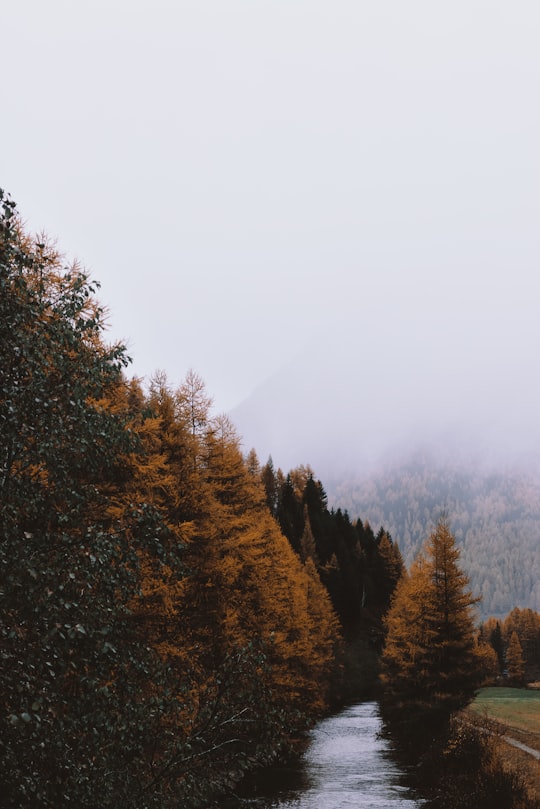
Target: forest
point(495, 516)
point(173, 613)
point(176, 613)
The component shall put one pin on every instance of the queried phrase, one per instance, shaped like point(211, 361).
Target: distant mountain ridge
point(377, 391)
point(495, 516)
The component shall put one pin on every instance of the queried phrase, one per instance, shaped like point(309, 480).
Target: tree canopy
point(430, 665)
point(171, 610)
point(159, 635)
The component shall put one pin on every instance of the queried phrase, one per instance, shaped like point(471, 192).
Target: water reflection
point(346, 765)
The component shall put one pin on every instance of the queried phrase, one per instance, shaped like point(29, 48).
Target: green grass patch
point(517, 707)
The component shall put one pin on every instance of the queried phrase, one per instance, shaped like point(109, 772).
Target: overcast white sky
point(247, 177)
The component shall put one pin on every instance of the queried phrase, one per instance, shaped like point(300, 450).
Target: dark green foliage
point(290, 514)
point(271, 486)
point(74, 721)
point(79, 724)
point(158, 636)
point(360, 571)
point(234, 727)
point(107, 696)
point(496, 640)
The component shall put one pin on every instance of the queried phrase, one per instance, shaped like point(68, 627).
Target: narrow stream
point(346, 766)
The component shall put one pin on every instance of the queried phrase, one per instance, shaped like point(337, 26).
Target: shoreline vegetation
point(472, 765)
point(513, 715)
point(175, 614)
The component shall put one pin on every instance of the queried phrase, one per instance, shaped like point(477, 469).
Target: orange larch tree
point(429, 663)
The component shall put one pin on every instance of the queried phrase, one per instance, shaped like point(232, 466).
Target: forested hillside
point(359, 569)
point(172, 613)
point(515, 642)
point(495, 517)
point(159, 635)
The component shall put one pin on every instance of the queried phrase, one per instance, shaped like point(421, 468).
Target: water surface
point(347, 765)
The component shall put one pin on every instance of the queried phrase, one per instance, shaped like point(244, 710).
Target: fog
point(464, 388)
point(328, 210)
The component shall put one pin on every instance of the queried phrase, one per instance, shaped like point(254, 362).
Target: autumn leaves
point(159, 634)
point(171, 610)
point(430, 663)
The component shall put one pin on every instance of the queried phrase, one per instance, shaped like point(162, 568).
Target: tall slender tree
point(514, 660)
point(429, 663)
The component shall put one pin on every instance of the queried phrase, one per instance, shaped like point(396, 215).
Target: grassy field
point(516, 707)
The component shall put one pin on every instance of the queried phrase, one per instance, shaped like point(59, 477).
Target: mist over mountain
point(405, 419)
point(378, 389)
point(494, 515)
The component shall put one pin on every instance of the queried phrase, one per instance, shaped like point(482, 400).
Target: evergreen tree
point(271, 486)
point(496, 640)
point(515, 663)
point(158, 633)
point(429, 664)
point(526, 624)
point(290, 513)
point(308, 548)
point(387, 569)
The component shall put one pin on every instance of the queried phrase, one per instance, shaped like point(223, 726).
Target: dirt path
point(526, 749)
point(520, 748)
point(524, 758)
point(523, 754)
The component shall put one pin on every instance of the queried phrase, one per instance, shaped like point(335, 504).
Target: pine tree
point(387, 569)
point(290, 513)
point(496, 641)
point(514, 660)
point(526, 624)
point(429, 664)
point(271, 486)
point(308, 549)
point(488, 661)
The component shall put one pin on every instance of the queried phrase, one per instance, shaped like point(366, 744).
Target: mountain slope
point(495, 516)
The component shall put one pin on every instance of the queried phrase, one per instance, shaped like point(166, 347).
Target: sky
point(255, 183)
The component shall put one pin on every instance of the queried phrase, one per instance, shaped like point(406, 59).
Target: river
point(347, 765)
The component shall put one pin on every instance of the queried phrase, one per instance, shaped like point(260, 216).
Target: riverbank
point(346, 762)
point(513, 716)
point(476, 764)
point(520, 759)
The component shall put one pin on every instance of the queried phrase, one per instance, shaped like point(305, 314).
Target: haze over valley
point(376, 391)
point(342, 194)
point(307, 229)
point(408, 419)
